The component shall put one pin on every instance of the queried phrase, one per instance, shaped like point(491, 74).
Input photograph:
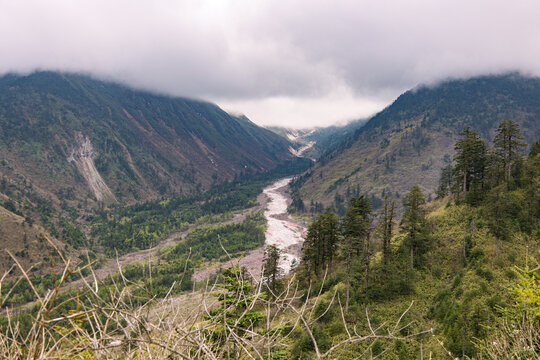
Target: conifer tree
point(233, 313)
point(470, 158)
point(387, 224)
point(509, 145)
point(356, 229)
point(321, 241)
point(446, 181)
point(535, 149)
point(271, 267)
point(414, 223)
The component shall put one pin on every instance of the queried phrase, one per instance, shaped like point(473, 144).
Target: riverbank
point(281, 231)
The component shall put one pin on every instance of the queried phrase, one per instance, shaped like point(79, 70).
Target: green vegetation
point(410, 141)
point(209, 242)
point(235, 312)
point(272, 271)
point(414, 226)
point(142, 226)
point(125, 321)
point(171, 274)
point(516, 334)
point(320, 243)
point(455, 257)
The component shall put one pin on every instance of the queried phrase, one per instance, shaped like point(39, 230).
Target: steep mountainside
point(69, 137)
point(411, 140)
point(72, 146)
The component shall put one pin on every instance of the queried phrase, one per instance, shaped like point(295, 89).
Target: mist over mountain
point(71, 145)
point(412, 139)
point(70, 134)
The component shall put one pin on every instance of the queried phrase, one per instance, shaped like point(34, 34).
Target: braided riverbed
point(282, 231)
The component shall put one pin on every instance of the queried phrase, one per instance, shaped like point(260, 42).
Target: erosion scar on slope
point(83, 155)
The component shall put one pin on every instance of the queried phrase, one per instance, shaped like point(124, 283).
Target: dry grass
point(111, 322)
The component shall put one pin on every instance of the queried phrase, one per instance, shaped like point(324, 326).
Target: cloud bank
point(295, 63)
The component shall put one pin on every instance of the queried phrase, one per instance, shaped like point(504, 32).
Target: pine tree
point(535, 149)
point(387, 225)
point(321, 242)
point(509, 146)
point(414, 223)
point(470, 158)
point(497, 205)
point(272, 271)
point(356, 227)
point(445, 182)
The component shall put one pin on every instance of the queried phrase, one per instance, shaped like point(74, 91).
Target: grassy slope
point(23, 241)
point(442, 290)
point(376, 168)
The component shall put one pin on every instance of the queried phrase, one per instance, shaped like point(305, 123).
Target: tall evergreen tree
point(446, 181)
point(321, 242)
point(509, 146)
point(470, 158)
point(387, 227)
point(497, 207)
point(414, 223)
point(272, 271)
point(532, 185)
point(535, 149)
point(356, 226)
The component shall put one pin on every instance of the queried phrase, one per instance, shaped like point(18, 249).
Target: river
point(282, 231)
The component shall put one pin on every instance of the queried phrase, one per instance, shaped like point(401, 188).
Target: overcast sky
point(294, 63)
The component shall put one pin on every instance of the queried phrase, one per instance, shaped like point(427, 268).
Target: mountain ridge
point(168, 145)
point(72, 148)
point(413, 139)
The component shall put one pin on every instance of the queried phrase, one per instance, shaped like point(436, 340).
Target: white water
point(282, 231)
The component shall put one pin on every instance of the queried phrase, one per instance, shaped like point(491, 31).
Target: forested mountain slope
point(412, 139)
point(71, 137)
point(468, 260)
point(71, 145)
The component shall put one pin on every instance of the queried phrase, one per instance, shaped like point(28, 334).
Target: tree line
point(490, 191)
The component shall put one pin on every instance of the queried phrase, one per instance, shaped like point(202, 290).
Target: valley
point(137, 213)
point(151, 255)
point(266, 180)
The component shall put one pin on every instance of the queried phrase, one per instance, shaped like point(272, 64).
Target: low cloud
point(306, 62)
